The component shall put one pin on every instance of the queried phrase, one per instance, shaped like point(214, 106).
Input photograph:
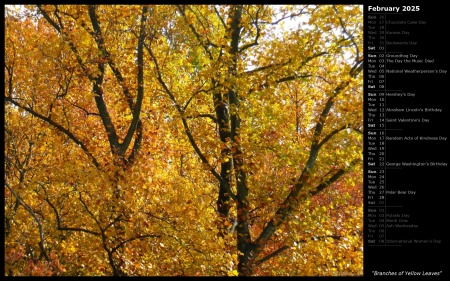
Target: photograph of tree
point(183, 140)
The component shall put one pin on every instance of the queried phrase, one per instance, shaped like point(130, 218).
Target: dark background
point(429, 207)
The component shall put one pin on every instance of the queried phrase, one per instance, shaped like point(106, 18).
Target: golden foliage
point(124, 124)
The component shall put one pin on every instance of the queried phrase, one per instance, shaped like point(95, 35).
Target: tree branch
point(341, 22)
point(267, 67)
point(339, 173)
point(287, 206)
point(98, 37)
point(58, 222)
point(61, 31)
point(109, 127)
point(220, 18)
point(139, 237)
point(186, 126)
point(59, 127)
point(98, 88)
point(140, 96)
point(288, 78)
point(287, 17)
point(258, 33)
point(334, 132)
point(84, 110)
point(271, 255)
point(197, 35)
point(285, 247)
point(210, 116)
point(41, 231)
